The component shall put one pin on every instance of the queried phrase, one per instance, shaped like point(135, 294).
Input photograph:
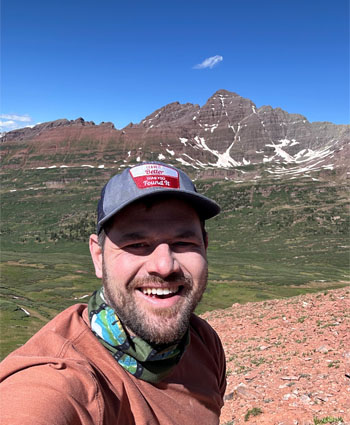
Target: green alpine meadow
point(274, 238)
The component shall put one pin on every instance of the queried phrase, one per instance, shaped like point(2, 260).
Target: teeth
point(159, 291)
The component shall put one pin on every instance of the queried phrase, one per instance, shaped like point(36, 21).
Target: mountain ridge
point(227, 132)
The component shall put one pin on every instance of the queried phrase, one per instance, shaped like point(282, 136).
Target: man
point(136, 354)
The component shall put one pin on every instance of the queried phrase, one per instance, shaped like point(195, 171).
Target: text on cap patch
point(155, 175)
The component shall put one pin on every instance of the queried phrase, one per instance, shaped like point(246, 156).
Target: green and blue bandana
point(132, 353)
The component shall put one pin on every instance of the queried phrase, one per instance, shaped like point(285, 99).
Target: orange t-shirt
point(64, 376)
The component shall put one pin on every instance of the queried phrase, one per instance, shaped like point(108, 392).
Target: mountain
point(228, 136)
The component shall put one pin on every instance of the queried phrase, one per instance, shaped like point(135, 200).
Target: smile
point(160, 291)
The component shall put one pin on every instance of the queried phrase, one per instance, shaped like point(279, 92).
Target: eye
point(184, 245)
point(137, 245)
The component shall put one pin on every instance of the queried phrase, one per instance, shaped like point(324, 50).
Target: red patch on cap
point(155, 175)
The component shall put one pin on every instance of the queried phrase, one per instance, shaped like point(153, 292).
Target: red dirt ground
point(288, 359)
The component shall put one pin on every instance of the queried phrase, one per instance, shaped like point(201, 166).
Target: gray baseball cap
point(150, 179)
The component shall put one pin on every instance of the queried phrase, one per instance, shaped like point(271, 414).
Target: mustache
point(174, 278)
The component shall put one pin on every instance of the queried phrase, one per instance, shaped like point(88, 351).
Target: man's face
point(154, 268)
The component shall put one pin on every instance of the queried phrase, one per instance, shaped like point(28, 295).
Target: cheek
point(122, 267)
point(195, 264)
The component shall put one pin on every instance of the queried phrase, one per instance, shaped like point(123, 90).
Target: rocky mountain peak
point(224, 93)
point(171, 114)
point(107, 124)
point(227, 132)
point(81, 121)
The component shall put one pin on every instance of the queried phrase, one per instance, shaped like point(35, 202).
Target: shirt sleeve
point(56, 393)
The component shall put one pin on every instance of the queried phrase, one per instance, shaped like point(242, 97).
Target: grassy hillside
point(272, 240)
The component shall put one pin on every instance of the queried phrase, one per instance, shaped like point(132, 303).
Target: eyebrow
point(186, 234)
point(132, 236)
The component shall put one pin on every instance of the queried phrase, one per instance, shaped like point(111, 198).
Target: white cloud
point(21, 118)
point(9, 122)
point(209, 62)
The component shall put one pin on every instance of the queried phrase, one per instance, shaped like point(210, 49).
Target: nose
point(162, 261)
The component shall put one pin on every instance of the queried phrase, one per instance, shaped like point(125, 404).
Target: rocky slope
point(288, 361)
point(227, 132)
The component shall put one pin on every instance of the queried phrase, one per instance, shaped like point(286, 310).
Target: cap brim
point(205, 207)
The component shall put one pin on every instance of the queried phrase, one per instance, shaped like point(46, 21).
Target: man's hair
point(102, 238)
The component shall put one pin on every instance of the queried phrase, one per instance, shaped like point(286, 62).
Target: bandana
point(132, 353)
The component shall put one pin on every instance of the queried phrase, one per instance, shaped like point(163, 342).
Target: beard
point(156, 326)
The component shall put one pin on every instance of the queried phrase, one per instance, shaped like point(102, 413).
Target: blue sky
point(119, 61)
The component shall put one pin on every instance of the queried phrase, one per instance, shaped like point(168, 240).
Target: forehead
point(155, 215)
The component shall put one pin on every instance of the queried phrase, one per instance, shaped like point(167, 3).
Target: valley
point(272, 240)
point(281, 181)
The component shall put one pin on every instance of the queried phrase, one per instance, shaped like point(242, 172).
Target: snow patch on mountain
point(224, 159)
point(183, 162)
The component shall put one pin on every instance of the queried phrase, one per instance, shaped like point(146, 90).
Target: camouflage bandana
point(132, 353)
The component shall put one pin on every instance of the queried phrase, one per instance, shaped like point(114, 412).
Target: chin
point(163, 326)
point(155, 325)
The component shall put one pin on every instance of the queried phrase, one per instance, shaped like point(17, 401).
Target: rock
point(305, 398)
point(244, 392)
point(107, 124)
point(228, 396)
point(291, 378)
point(322, 349)
point(250, 376)
point(289, 396)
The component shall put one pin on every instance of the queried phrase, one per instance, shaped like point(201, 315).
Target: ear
point(96, 255)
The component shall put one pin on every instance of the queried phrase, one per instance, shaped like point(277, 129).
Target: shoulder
point(205, 358)
point(57, 335)
point(49, 391)
point(204, 331)
point(205, 339)
point(55, 343)
point(48, 378)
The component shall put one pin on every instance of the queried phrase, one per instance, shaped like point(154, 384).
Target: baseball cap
point(150, 179)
